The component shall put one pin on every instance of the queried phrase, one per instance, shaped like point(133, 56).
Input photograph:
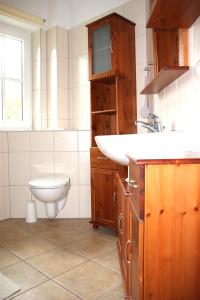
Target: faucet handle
point(154, 118)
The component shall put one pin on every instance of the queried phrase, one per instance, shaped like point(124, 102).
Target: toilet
point(52, 190)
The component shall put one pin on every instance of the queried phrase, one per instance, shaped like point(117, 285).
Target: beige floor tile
point(108, 234)
point(89, 280)
point(64, 236)
point(47, 291)
point(91, 247)
point(109, 260)
point(11, 235)
point(24, 275)
point(32, 229)
point(7, 258)
point(31, 246)
point(56, 261)
point(113, 294)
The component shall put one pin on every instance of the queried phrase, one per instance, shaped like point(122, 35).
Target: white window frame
point(26, 123)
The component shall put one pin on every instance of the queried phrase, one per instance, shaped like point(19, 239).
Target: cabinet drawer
point(99, 160)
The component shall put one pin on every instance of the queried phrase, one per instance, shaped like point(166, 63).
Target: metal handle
point(114, 199)
point(126, 253)
point(133, 183)
point(102, 157)
point(111, 48)
point(120, 217)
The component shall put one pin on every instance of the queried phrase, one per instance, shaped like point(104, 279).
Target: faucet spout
point(154, 124)
point(146, 125)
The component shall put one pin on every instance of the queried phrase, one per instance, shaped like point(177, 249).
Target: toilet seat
point(50, 181)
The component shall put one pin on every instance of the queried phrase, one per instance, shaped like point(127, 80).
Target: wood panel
point(103, 124)
point(172, 231)
point(103, 94)
point(166, 76)
point(173, 13)
point(99, 160)
point(104, 197)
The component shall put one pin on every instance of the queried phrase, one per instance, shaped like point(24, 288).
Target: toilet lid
point(50, 181)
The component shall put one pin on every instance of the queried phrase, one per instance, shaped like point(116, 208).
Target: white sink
point(146, 146)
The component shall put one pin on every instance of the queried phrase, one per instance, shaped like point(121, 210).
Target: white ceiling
point(65, 13)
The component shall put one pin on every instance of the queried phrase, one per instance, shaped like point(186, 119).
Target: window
point(15, 70)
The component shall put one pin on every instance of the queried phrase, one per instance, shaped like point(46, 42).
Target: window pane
point(12, 58)
point(13, 101)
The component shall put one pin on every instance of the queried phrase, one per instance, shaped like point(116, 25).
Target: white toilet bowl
point(52, 190)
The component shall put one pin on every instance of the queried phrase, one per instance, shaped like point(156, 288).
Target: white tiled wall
point(32, 154)
point(4, 177)
point(179, 104)
point(57, 77)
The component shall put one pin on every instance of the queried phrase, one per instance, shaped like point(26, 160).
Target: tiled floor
point(61, 259)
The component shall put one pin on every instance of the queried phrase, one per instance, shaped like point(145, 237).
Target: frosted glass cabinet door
point(101, 49)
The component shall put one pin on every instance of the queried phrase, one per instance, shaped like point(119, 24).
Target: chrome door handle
point(126, 253)
point(133, 184)
point(111, 48)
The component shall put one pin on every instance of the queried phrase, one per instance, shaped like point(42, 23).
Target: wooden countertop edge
point(176, 161)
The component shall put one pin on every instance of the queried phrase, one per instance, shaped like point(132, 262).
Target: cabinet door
point(104, 197)
point(123, 235)
point(136, 255)
point(101, 48)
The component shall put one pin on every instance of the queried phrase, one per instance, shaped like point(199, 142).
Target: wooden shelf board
point(166, 76)
point(173, 13)
point(107, 111)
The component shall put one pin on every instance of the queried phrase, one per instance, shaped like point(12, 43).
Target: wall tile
point(41, 163)
point(51, 43)
point(36, 74)
point(80, 70)
point(19, 195)
point(18, 141)
point(62, 104)
point(84, 168)
point(2, 204)
point(65, 141)
point(5, 169)
point(35, 44)
point(41, 141)
point(19, 169)
point(3, 141)
point(85, 201)
point(52, 73)
point(62, 72)
point(62, 42)
point(79, 102)
point(78, 40)
point(84, 140)
point(67, 163)
point(1, 170)
point(7, 202)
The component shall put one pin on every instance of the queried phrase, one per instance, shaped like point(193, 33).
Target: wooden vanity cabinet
point(164, 229)
point(111, 42)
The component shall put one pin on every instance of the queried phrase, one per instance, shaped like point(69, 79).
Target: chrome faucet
point(154, 123)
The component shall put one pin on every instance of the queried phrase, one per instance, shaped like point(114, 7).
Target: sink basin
point(146, 146)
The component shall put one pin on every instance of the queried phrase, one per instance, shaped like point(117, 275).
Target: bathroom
point(56, 140)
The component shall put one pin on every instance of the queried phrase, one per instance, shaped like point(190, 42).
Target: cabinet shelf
point(107, 111)
point(173, 13)
point(166, 76)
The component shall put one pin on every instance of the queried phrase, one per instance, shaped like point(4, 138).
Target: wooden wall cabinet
point(113, 103)
point(170, 43)
point(163, 213)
